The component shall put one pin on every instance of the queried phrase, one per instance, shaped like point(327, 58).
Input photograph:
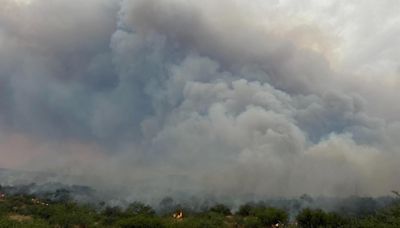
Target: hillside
point(25, 210)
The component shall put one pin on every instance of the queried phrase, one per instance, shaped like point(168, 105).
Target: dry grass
point(20, 218)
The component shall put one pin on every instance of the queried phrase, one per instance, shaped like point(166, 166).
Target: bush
point(314, 218)
point(209, 220)
point(221, 209)
point(389, 217)
point(257, 216)
point(27, 224)
point(111, 214)
point(138, 208)
point(245, 210)
point(269, 215)
point(252, 222)
point(311, 218)
point(71, 215)
point(140, 221)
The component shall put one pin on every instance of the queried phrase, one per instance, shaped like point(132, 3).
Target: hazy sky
point(268, 97)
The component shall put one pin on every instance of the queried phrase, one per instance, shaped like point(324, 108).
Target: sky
point(262, 97)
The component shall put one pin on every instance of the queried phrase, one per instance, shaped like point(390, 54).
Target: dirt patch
point(20, 218)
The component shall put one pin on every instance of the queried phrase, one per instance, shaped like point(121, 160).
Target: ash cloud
point(226, 97)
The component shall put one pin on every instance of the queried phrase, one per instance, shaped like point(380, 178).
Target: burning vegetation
point(19, 209)
point(178, 215)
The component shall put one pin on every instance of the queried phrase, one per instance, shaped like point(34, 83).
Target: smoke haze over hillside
point(272, 97)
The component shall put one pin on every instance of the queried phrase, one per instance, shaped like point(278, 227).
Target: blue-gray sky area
point(268, 97)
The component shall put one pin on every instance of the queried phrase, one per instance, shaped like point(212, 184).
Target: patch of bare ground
point(20, 218)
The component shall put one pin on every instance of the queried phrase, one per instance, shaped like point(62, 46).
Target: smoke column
point(235, 97)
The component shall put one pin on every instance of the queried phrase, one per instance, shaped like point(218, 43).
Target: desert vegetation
point(27, 210)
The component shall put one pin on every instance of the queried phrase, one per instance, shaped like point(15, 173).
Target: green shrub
point(140, 221)
point(252, 222)
point(245, 210)
point(111, 214)
point(209, 220)
point(221, 209)
point(388, 217)
point(138, 208)
point(70, 214)
point(7, 223)
point(269, 215)
point(261, 216)
point(314, 218)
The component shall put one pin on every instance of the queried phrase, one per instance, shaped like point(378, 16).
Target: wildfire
point(278, 224)
point(178, 215)
point(36, 201)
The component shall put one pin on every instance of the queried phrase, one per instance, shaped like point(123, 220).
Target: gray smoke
point(269, 98)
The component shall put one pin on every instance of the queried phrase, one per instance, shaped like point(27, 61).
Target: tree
point(62, 195)
point(252, 222)
point(388, 217)
point(245, 210)
point(261, 216)
point(314, 218)
point(71, 214)
point(269, 215)
point(221, 209)
point(140, 221)
point(137, 208)
point(111, 215)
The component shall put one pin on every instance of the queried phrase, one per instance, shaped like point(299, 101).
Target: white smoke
point(266, 97)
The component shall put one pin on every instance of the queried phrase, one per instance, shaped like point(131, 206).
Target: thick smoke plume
point(230, 97)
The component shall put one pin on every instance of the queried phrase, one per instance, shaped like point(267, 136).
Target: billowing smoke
point(229, 97)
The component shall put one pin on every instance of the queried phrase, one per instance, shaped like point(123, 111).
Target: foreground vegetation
point(28, 211)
